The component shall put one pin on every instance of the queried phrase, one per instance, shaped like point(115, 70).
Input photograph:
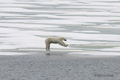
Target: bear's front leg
point(48, 47)
point(47, 43)
point(63, 44)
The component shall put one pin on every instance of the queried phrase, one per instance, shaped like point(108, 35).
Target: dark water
point(88, 25)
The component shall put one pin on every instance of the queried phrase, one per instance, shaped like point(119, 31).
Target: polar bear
point(58, 40)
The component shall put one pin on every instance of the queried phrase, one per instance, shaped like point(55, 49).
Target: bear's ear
point(63, 38)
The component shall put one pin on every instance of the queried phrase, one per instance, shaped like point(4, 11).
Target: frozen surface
point(87, 25)
point(92, 29)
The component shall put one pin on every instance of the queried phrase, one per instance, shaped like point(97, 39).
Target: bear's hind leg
point(47, 47)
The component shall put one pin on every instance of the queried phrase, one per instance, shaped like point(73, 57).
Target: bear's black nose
point(65, 40)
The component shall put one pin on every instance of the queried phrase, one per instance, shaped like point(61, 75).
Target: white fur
point(58, 40)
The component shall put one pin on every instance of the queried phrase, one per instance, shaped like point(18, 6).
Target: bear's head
point(62, 38)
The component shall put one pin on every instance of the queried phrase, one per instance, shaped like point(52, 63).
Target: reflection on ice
point(114, 49)
point(95, 53)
